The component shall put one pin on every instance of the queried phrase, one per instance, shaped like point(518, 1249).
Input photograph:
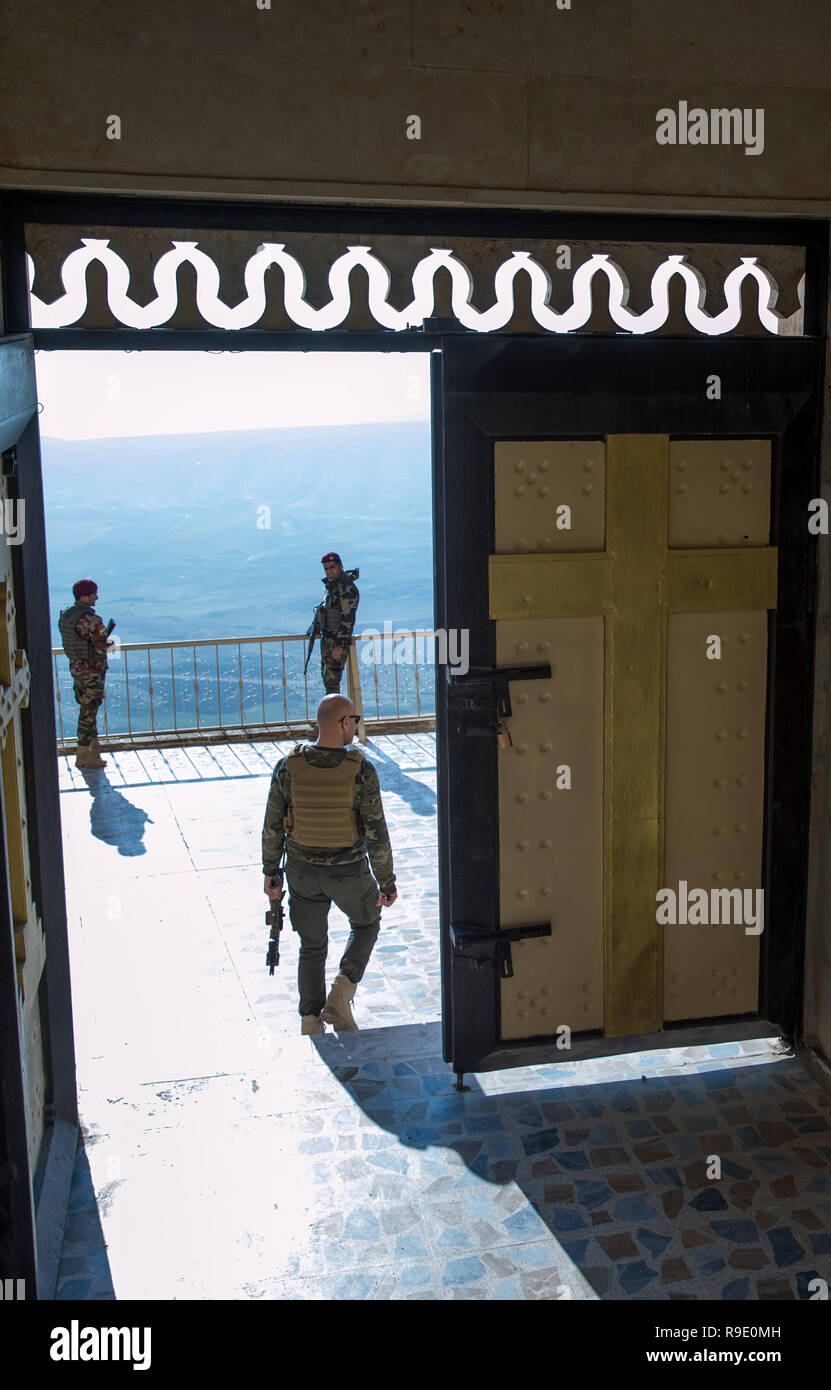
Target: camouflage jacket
point(374, 839)
point(91, 626)
point(340, 607)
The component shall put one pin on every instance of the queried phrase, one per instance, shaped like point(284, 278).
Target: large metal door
point(610, 538)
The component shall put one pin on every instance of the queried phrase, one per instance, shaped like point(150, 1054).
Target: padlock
point(503, 738)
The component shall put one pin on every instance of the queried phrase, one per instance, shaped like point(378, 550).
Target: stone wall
point(520, 102)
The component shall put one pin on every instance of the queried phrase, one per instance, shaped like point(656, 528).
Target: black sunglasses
point(356, 717)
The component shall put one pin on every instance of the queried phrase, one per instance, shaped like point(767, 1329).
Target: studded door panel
point(532, 479)
point(550, 497)
point(714, 804)
point(718, 498)
point(719, 493)
point(551, 826)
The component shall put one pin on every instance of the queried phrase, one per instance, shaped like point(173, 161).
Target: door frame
point(17, 208)
point(18, 1241)
point(771, 389)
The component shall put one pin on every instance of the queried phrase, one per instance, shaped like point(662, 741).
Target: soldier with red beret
point(337, 615)
point(86, 643)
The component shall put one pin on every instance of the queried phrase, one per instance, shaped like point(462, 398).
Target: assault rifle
point(315, 630)
point(274, 919)
point(110, 626)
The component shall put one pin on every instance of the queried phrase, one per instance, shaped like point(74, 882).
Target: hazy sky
point(97, 395)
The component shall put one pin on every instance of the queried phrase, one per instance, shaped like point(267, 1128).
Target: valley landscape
point(194, 536)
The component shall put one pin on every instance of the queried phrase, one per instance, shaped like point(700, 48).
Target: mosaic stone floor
point(226, 1157)
point(170, 846)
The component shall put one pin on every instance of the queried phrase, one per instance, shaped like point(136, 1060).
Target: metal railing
point(243, 686)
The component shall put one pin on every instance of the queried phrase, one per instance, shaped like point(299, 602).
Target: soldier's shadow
point(114, 819)
point(614, 1170)
point(420, 799)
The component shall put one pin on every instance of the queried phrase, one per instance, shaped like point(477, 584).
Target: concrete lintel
point(404, 195)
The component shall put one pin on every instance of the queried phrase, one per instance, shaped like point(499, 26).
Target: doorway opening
point(621, 374)
point(199, 491)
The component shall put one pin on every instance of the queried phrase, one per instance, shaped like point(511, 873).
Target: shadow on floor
point(114, 819)
point(198, 761)
point(420, 799)
point(620, 1173)
point(84, 1271)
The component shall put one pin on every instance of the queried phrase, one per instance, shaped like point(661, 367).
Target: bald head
point(331, 711)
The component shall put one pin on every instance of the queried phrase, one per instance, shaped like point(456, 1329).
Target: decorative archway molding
point(70, 307)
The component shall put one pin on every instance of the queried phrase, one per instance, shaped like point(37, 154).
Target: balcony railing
point(213, 690)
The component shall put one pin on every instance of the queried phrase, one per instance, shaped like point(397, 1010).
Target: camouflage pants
point(89, 693)
point(312, 890)
point(331, 668)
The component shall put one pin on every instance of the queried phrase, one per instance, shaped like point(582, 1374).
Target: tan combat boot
point(87, 758)
point(338, 1007)
point(311, 1023)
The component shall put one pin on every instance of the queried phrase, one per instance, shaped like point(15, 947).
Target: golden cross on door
point(634, 583)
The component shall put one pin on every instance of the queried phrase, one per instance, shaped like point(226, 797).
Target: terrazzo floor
point(224, 1156)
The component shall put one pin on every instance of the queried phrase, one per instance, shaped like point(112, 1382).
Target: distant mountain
point(167, 526)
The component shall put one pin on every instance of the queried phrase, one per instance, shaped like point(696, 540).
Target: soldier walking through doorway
point(324, 807)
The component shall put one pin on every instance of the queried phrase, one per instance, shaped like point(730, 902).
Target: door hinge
point(466, 942)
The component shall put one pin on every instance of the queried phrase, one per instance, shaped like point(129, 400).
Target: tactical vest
point(335, 604)
point(322, 811)
point(77, 648)
point(332, 616)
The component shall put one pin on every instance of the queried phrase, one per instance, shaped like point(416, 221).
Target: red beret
point(84, 586)
point(332, 556)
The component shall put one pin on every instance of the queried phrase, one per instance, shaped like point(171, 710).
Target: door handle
point(466, 941)
point(483, 680)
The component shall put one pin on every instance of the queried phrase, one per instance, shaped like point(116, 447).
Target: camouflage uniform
point(317, 877)
point(89, 674)
point(339, 610)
